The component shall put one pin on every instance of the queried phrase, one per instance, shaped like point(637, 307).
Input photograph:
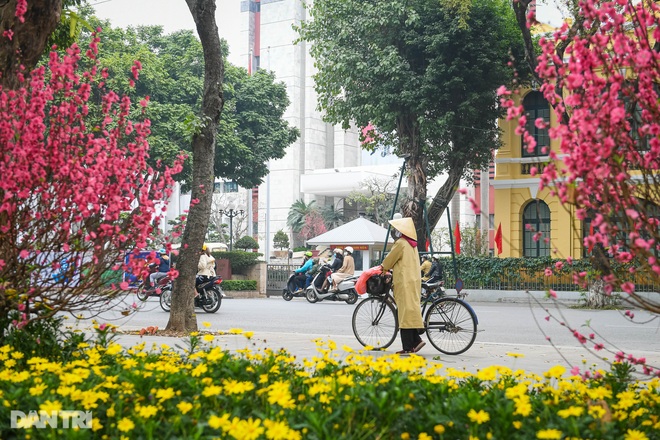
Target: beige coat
point(406, 283)
point(206, 265)
point(346, 270)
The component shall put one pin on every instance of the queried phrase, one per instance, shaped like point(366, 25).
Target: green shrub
point(239, 285)
point(240, 261)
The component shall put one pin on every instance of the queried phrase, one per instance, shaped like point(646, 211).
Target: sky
point(174, 14)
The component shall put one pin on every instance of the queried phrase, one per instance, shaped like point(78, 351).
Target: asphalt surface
point(514, 335)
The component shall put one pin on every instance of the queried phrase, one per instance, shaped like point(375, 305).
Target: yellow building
point(521, 207)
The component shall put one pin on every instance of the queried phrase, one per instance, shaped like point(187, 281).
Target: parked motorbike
point(431, 287)
point(209, 298)
point(345, 289)
point(145, 290)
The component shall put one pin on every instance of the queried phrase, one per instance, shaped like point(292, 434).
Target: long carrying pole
point(396, 198)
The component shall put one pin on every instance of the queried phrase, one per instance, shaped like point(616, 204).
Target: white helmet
point(338, 251)
point(348, 249)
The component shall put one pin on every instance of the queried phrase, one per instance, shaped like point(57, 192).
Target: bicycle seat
point(431, 285)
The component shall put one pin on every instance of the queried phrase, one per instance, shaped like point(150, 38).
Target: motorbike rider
point(346, 270)
point(205, 267)
point(301, 272)
point(335, 265)
point(316, 266)
point(163, 268)
point(425, 268)
point(435, 273)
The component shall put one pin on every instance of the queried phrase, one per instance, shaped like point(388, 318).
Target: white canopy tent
point(365, 237)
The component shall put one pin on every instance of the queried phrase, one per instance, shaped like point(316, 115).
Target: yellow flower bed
point(204, 392)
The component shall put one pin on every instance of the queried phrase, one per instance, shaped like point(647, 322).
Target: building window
point(536, 106)
point(229, 187)
point(536, 218)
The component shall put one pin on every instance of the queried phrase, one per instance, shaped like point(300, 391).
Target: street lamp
point(231, 213)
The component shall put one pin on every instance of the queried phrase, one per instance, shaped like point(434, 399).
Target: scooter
point(292, 290)
point(345, 289)
point(209, 298)
point(145, 290)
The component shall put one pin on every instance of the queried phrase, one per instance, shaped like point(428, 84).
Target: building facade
point(534, 223)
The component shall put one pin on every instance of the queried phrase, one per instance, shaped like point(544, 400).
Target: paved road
point(503, 328)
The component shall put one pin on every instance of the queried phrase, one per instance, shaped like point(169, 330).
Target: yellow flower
point(347, 349)
point(37, 390)
point(424, 436)
point(549, 434)
point(96, 424)
point(633, 434)
point(405, 436)
point(165, 394)
point(439, 429)
point(213, 390)
point(184, 407)
point(478, 417)
point(206, 324)
point(235, 387)
point(555, 372)
point(235, 331)
point(208, 338)
point(572, 411)
point(247, 429)
point(517, 424)
point(113, 349)
point(146, 411)
point(110, 412)
point(125, 425)
point(199, 370)
point(216, 422)
point(49, 406)
point(215, 354)
point(280, 431)
point(248, 335)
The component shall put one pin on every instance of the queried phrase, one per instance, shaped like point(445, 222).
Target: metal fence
point(533, 279)
point(276, 277)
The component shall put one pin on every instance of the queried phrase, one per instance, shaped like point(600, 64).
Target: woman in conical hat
point(403, 260)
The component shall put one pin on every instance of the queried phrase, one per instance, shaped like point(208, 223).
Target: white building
point(325, 163)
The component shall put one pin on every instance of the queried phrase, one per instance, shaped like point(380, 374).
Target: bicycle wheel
point(141, 293)
point(451, 325)
point(375, 323)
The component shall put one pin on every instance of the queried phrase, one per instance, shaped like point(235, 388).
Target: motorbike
point(345, 289)
point(292, 290)
point(209, 298)
point(145, 290)
point(431, 287)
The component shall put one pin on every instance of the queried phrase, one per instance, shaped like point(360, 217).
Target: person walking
point(403, 260)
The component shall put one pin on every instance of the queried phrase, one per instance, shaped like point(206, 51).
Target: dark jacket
point(436, 272)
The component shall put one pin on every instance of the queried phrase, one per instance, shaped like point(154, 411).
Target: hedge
point(239, 285)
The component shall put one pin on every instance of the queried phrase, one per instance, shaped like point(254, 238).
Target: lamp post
point(231, 213)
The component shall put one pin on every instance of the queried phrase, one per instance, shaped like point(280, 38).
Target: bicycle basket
point(379, 284)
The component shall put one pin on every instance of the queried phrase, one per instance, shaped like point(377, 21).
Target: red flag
point(591, 233)
point(428, 243)
point(457, 238)
point(498, 239)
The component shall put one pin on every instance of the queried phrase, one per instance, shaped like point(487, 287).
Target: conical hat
point(406, 226)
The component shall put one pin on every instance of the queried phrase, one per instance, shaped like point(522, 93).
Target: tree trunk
point(22, 51)
point(182, 314)
point(596, 296)
point(444, 195)
point(408, 130)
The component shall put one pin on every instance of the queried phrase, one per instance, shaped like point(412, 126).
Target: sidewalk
point(529, 358)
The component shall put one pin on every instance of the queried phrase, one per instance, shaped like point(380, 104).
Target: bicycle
point(450, 323)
